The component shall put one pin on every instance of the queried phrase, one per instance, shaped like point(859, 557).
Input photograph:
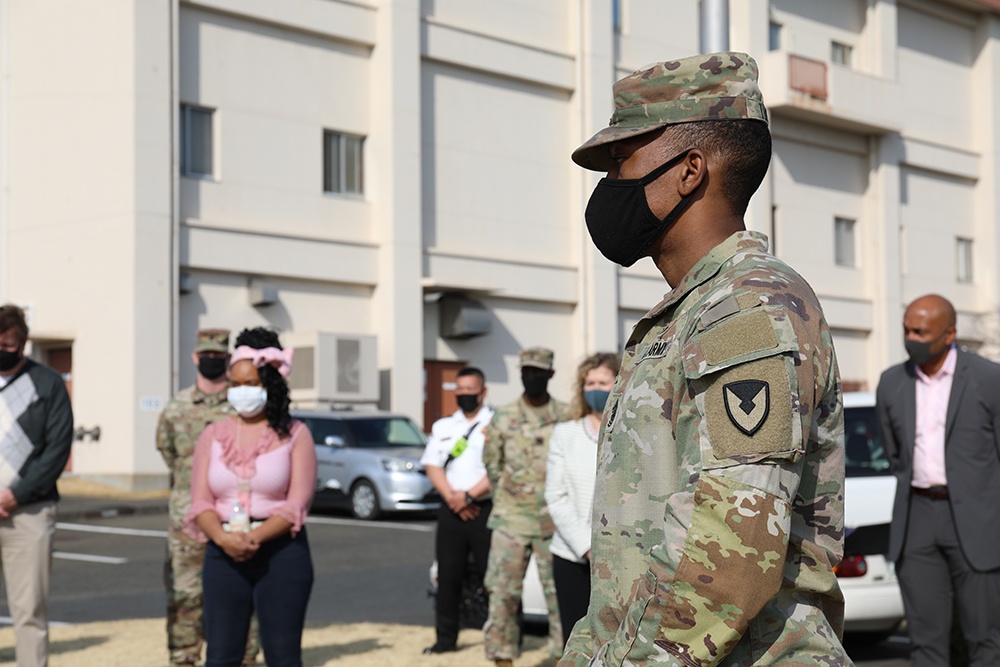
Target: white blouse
point(569, 488)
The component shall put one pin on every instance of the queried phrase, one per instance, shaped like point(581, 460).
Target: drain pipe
point(714, 25)
point(5, 151)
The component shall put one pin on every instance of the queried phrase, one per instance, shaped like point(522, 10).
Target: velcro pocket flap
point(752, 334)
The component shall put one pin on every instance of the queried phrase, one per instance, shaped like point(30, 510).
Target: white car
point(873, 603)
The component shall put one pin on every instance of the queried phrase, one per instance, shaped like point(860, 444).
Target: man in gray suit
point(938, 415)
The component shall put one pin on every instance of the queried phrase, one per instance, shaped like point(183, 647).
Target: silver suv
point(369, 462)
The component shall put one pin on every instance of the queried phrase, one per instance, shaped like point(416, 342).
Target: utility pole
point(714, 25)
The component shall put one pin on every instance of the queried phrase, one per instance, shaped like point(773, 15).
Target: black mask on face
point(536, 383)
point(619, 219)
point(468, 403)
point(920, 353)
point(211, 368)
point(8, 360)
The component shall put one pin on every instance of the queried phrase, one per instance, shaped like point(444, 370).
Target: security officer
point(516, 454)
point(177, 431)
point(453, 460)
point(718, 513)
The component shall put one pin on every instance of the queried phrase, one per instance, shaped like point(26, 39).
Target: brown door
point(60, 359)
point(439, 390)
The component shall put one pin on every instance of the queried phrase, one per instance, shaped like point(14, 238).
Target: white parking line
point(368, 524)
point(107, 530)
point(87, 558)
point(7, 620)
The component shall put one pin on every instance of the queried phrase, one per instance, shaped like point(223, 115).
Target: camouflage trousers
point(505, 569)
point(182, 578)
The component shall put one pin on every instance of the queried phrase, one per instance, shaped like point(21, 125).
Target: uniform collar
point(708, 266)
point(198, 396)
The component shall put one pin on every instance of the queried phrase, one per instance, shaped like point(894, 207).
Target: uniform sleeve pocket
point(742, 372)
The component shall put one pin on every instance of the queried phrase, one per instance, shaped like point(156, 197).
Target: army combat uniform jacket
point(516, 454)
point(718, 513)
point(181, 422)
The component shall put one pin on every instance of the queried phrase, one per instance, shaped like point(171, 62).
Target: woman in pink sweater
point(252, 482)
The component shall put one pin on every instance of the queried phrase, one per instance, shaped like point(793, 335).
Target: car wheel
point(364, 501)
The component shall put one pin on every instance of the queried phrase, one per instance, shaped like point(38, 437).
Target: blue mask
point(596, 399)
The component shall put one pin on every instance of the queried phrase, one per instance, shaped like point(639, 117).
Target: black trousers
point(455, 540)
point(933, 573)
point(572, 590)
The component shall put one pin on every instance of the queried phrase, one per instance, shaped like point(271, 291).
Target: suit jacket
point(971, 451)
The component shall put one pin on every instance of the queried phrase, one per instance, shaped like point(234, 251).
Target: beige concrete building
point(388, 183)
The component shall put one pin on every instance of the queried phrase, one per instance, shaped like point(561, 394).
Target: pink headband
point(280, 359)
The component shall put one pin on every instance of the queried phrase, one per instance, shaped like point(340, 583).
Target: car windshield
point(369, 432)
point(863, 447)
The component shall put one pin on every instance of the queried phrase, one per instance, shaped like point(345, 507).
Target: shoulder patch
point(747, 404)
point(749, 410)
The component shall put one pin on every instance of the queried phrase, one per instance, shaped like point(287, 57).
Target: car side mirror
point(333, 441)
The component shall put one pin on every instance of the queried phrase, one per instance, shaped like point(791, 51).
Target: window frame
point(185, 142)
point(847, 53)
point(774, 35)
point(342, 170)
point(841, 222)
point(964, 260)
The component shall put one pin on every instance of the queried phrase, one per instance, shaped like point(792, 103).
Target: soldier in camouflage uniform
point(177, 431)
point(718, 513)
point(516, 454)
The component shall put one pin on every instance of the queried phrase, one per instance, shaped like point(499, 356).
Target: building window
point(196, 141)
point(342, 162)
point(843, 242)
point(963, 260)
point(840, 54)
point(774, 36)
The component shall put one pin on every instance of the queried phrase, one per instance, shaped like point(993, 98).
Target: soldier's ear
point(194, 359)
point(693, 169)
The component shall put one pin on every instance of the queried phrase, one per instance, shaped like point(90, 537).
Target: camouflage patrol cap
point(537, 357)
point(212, 340)
point(713, 86)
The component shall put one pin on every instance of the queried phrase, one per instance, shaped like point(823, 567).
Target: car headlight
point(400, 465)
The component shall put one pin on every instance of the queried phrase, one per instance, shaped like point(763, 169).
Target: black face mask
point(467, 403)
point(920, 353)
point(535, 384)
point(618, 216)
point(8, 360)
point(211, 368)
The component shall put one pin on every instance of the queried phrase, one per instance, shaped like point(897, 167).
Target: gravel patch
point(142, 643)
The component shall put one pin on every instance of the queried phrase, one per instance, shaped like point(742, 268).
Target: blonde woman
point(569, 486)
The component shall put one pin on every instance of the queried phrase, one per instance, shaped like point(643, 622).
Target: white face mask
point(248, 401)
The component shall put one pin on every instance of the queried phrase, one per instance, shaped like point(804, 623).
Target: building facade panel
point(808, 202)
point(495, 167)
point(935, 59)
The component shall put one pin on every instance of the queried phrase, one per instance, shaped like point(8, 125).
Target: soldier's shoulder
point(180, 401)
point(760, 281)
point(563, 409)
point(506, 411)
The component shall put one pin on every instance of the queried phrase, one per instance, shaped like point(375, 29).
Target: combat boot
point(504, 662)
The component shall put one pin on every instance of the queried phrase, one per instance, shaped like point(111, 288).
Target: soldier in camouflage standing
point(180, 424)
point(718, 512)
point(516, 454)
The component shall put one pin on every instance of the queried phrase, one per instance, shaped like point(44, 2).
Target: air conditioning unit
point(333, 368)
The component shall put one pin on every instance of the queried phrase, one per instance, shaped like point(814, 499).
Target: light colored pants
point(26, 552)
point(505, 570)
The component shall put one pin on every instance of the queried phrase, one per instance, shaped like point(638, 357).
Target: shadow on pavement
point(321, 655)
point(892, 652)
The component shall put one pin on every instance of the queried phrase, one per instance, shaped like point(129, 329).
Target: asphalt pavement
point(112, 548)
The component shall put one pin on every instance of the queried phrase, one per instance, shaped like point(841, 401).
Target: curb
point(107, 511)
